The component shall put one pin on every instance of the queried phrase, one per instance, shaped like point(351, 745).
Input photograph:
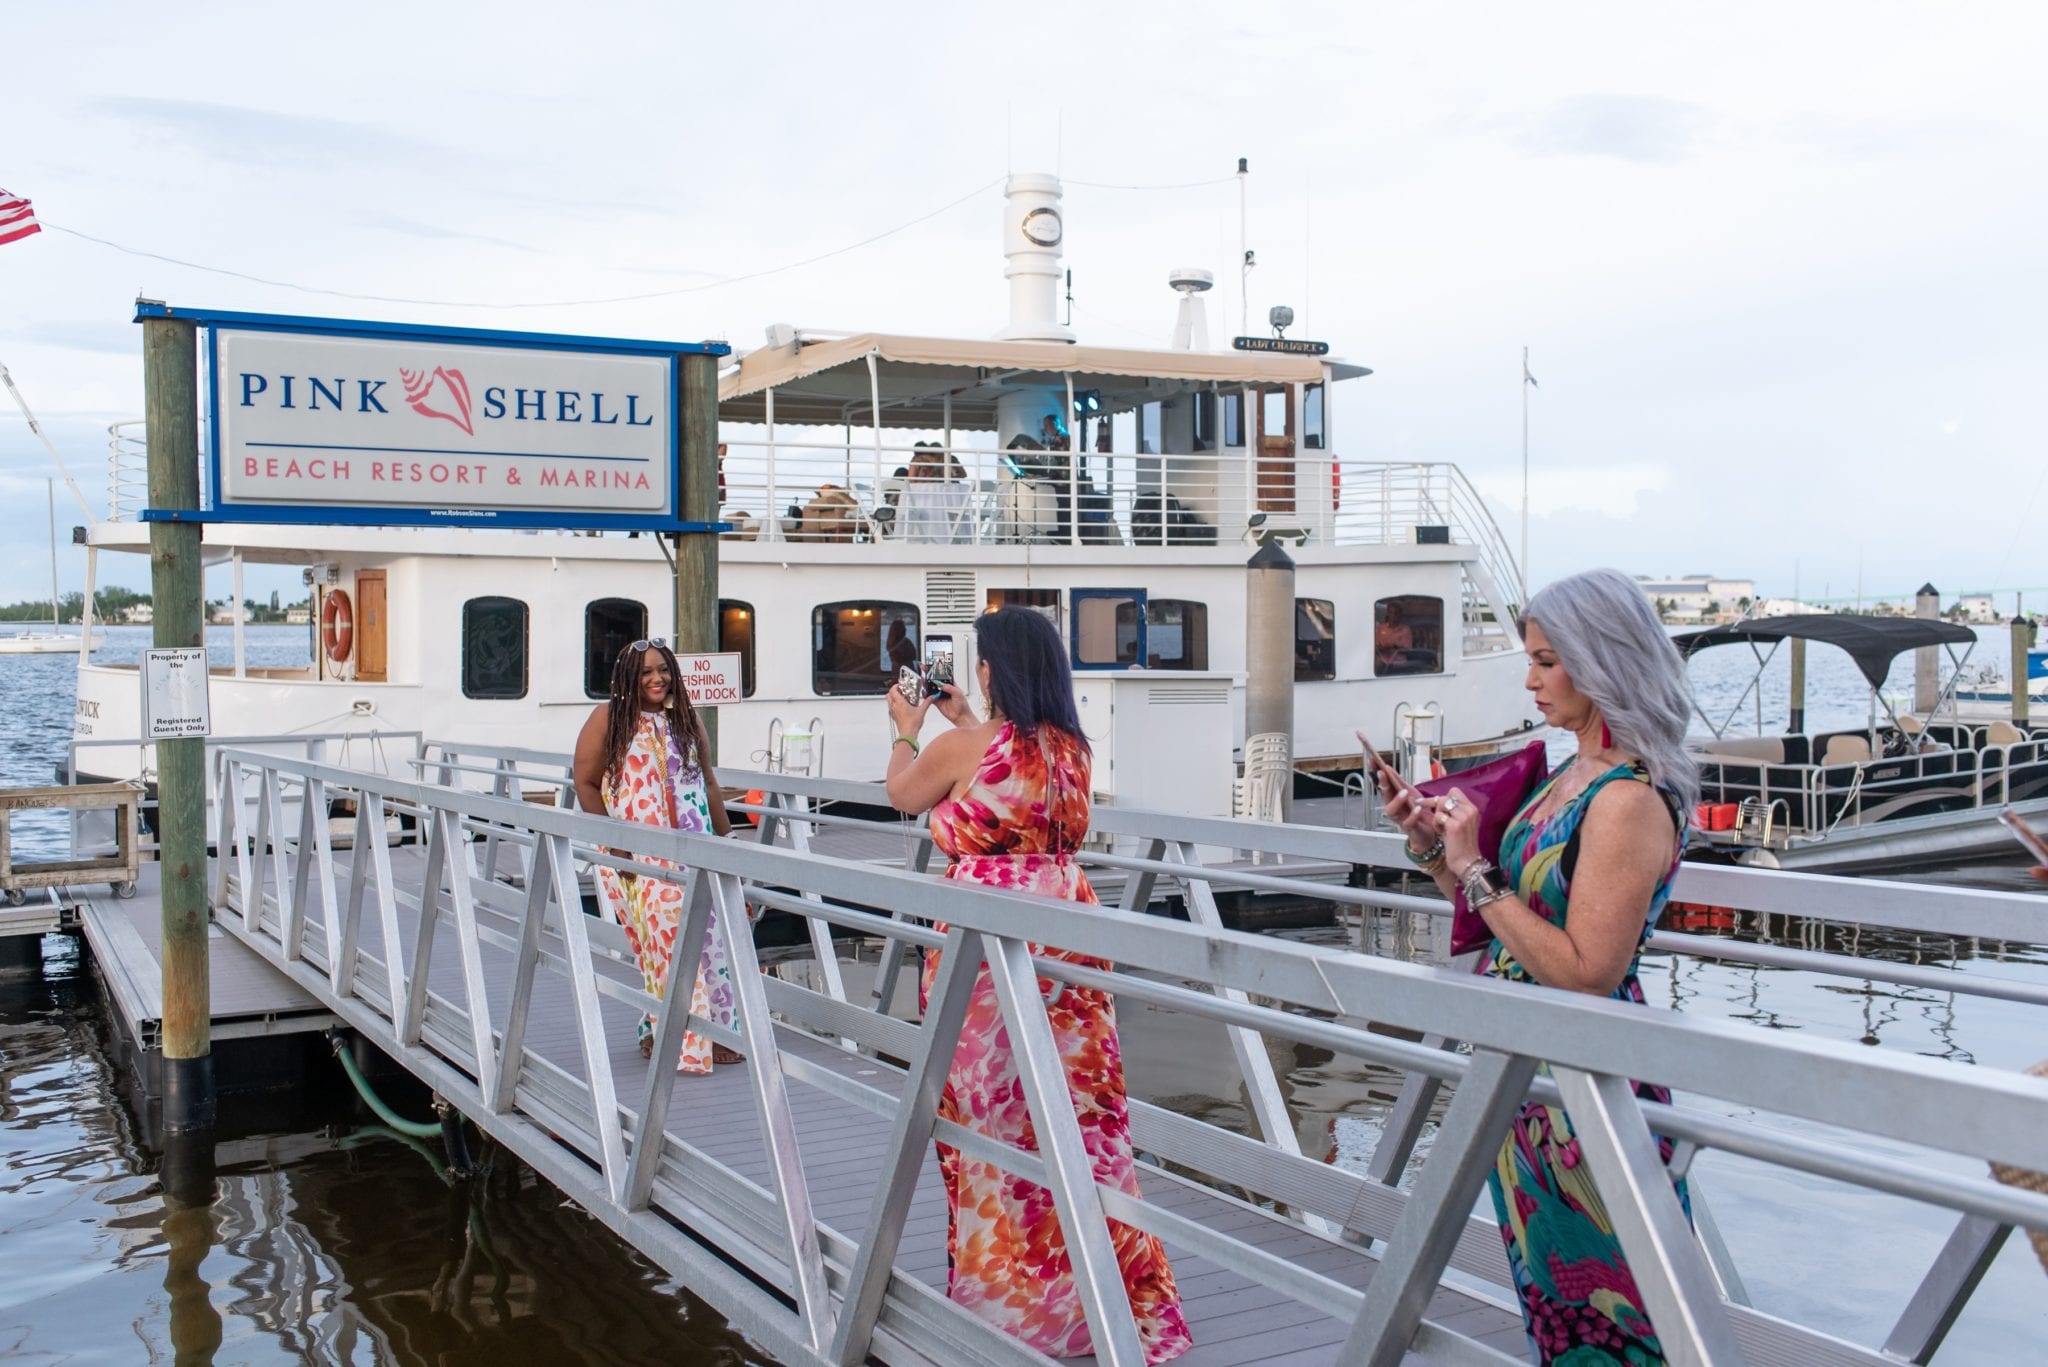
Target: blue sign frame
point(669, 520)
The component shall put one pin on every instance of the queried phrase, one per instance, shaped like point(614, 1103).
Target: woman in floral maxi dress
point(642, 757)
point(1009, 804)
point(1585, 869)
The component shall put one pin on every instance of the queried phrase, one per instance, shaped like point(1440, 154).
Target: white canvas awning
point(826, 381)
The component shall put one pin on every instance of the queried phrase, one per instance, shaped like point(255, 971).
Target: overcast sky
point(1780, 267)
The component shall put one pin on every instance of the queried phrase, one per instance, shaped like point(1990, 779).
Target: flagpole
point(1525, 477)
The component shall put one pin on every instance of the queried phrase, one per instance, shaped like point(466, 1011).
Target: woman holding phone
point(1008, 798)
point(1586, 867)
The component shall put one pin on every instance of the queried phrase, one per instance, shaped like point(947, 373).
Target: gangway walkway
point(797, 1193)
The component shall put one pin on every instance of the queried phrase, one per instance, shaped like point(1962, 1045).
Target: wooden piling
point(696, 595)
point(171, 404)
point(2022, 638)
point(1927, 659)
point(1795, 724)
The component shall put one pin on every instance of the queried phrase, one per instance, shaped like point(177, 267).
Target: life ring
point(1336, 486)
point(337, 626)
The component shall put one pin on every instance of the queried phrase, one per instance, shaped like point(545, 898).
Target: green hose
point(417, 1129)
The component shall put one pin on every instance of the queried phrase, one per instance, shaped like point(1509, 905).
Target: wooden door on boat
point(1275, 420)
point(370, 618)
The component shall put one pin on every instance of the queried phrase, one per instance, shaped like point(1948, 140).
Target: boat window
point(1205, 419)
point(857, 647)
point(1408, 635)
point(494, 648)
point(1109, 628)
point(1233, 417)
point(1176, 634)
point(736, 633)
point(1151, 416)
point(1312, 418)
point(1315, 639)
point(609, 626)
point(1046, 601)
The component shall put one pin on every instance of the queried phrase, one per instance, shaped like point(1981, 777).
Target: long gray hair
point(1611, 643)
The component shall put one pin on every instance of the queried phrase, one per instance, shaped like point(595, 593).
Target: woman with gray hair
point(1585, 869)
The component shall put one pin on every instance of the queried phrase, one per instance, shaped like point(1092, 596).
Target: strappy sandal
point(721, 1054)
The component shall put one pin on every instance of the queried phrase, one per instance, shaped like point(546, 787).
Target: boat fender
point(337, 626)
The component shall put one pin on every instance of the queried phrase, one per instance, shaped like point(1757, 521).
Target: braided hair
point(624, 710)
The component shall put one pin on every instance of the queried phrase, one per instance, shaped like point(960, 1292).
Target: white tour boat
point(884, 489)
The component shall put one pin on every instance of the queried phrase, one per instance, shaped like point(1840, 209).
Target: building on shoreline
point(1699, 597)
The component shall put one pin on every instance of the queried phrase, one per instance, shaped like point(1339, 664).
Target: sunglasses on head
point(649, 643)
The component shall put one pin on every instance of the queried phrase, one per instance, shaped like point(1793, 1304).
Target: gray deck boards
point(1234, 1320)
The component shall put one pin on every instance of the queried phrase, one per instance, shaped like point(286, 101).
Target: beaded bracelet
point(1426, 858)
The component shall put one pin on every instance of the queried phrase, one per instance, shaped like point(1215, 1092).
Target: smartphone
point(909, 683)
point(2025, 834)
point(938, 663)
point(1372, 757)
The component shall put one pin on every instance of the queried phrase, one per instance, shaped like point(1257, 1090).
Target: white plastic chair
point(1261, 792)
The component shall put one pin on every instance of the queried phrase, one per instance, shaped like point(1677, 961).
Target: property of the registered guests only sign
point(324, 420)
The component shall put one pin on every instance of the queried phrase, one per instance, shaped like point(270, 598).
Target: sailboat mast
point(50, 493)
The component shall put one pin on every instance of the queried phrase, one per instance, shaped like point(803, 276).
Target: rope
point(529, 303)
point(417, 1129)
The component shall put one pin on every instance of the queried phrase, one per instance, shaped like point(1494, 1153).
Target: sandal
point(647, 1046)
point(721, 1054)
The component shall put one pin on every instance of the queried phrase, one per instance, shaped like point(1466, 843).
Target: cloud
point(261, 137)
point(1648, 129)
point(118, 338)
point(408, 227)
point(1613, 491)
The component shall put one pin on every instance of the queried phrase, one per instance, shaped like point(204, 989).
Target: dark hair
point(1028, 678)
point(624, 705)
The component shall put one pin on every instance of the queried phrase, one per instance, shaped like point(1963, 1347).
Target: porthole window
point(1315, 639)
point(494, 648)
point(1408, 635)
point(857, 647)
point(736, 633)
point(609, 626)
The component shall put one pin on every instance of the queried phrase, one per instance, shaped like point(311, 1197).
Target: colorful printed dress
point(1017, 827)
point(657, 786)
point(1579, 1303)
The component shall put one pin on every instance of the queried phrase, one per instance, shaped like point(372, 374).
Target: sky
point(1780, 269)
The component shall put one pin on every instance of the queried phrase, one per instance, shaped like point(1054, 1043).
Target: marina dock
point(798, 1192)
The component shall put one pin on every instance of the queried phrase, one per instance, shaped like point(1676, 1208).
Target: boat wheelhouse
point(1904, 789)
point(882, 489)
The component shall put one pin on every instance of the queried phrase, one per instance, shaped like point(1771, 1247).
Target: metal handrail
point(296, 904)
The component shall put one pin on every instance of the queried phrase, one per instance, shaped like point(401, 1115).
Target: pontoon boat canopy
point(1872, 642)
point(826, 381)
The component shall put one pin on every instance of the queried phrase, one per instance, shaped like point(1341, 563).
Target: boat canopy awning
point(826, 381)
point(1872, 642)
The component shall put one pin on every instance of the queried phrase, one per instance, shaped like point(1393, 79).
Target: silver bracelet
point(1482, 884)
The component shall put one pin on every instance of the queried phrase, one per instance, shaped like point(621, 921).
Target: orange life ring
point(337, 626)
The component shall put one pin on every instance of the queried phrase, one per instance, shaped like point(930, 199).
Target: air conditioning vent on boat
point(1189, 695)
point(949, 598)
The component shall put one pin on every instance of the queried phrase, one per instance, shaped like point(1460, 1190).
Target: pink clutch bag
point(1498, 788)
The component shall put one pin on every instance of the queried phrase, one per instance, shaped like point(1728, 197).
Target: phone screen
point(938, 663)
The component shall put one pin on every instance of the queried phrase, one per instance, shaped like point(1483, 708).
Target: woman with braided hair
point(643, 756)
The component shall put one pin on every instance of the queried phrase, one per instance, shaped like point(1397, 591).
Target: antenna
point(1244, 307)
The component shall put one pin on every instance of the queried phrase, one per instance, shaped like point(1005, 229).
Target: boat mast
point(50, 493)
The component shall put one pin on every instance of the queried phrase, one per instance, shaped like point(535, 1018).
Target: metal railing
point(362, 935)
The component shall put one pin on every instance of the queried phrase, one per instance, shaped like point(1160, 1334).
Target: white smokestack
point(1033, 233)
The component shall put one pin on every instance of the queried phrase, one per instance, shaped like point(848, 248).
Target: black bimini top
point(1872, 642)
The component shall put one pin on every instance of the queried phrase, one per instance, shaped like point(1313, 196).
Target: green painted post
point(171, 404)
point(697, 552)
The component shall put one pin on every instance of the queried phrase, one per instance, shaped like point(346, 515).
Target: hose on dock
point(418, 1129)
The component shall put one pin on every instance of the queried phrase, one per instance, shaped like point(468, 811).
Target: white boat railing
point(821, 1292)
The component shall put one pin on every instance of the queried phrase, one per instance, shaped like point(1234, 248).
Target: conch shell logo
point(439, 393)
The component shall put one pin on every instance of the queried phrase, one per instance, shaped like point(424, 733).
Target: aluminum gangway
point(796, 1194)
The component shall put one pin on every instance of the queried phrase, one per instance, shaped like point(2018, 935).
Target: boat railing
point(824, 1285)
point(127, 469)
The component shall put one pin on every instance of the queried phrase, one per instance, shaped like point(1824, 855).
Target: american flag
point(17, 219)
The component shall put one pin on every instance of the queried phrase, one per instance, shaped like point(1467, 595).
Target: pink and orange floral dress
point(1017, 827)
point(657, 785)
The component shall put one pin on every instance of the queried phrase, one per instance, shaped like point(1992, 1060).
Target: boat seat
point(2003, 733)
point(1769, 749)
point(1911, 724)
point(1846, 750)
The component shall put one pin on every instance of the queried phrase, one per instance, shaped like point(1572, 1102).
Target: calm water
point(337, 1243)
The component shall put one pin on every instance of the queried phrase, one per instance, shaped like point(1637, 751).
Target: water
point(333, 1243)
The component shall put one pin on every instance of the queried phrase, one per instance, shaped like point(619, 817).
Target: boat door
point(1276, 449)
point(370, 618)
point(1108, 628)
